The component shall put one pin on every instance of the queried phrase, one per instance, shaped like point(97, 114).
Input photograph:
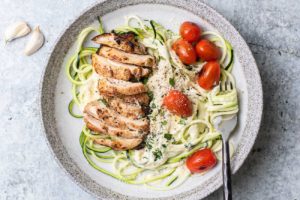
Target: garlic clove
point(35, 42)
point(16, 30)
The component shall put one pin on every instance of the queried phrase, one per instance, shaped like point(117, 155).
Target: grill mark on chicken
point(130, 110)
point(101, 127)
point(111, 69)
point(125, 42)
point(112, 118)
point(128, 58)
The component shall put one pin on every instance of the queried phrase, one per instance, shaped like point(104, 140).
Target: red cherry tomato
point(185, 51)
point(178, 103)
point(190, 31)
point(200, 161)
point(207, 50)
point(209, 75)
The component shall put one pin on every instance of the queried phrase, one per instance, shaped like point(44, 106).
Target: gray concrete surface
point(271, 28)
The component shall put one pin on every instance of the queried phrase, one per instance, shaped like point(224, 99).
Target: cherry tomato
point(200, 161)
point(207, 50)
point(190, 31)
point(178, 103)
point(209, 75)
point(185, 51)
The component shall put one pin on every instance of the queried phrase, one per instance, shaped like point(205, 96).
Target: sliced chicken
point(120, 143)
point(125, 42)
point(103, 128)
point(101, 112)
point(114, 87)
point(128, 58)
point(141, 99)
point(112, 69)
point(130, 110)
point(120, 59)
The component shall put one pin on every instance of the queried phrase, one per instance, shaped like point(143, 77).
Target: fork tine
point(229, 85)
point(226, 86)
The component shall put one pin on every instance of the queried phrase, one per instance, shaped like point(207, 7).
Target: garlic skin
point(35, 42)
point(16, 30)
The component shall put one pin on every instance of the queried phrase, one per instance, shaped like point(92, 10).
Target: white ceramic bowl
point(62, 131)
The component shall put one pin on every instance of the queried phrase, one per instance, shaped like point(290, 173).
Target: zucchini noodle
point(160, 165)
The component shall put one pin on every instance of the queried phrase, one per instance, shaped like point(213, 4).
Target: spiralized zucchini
point(160, 165)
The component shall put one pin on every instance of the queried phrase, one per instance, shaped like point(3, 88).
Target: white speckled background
point(271, 28)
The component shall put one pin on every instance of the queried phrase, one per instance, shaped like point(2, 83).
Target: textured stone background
point(272, 30)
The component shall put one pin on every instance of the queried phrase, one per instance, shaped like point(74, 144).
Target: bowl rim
point(253, 120)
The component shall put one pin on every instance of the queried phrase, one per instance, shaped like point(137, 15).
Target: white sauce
point(89, 91)
point(161, 121)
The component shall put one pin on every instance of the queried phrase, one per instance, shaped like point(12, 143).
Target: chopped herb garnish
point(157, 154)
point(168, 136)
point(172, 82)
point(149, 146)
point(150, 94)
point(153, 118)
point(182, 121)
point(164, 145)
point(149, 143)
point(161, 112)
point(153, 105)
point(145, 80)
point(164, 123)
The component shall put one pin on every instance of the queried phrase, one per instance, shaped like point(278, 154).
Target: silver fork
point(226, 127)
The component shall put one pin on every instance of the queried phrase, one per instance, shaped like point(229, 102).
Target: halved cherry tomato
point(185, 51)
point(209, 75)
point(190, 31)
point(207, 50)
point(200, 161)
point(178, 103)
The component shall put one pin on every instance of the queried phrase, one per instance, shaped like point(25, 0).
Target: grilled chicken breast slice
point(125, 42)
point(112, 69)
point(114, 87)
point(130, 110)
point(128, 58)
point(141, 99)
point(120, 143)
point(100, 111)
point(102, 127)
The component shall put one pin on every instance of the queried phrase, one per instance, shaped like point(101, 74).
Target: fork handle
point(227, 194)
